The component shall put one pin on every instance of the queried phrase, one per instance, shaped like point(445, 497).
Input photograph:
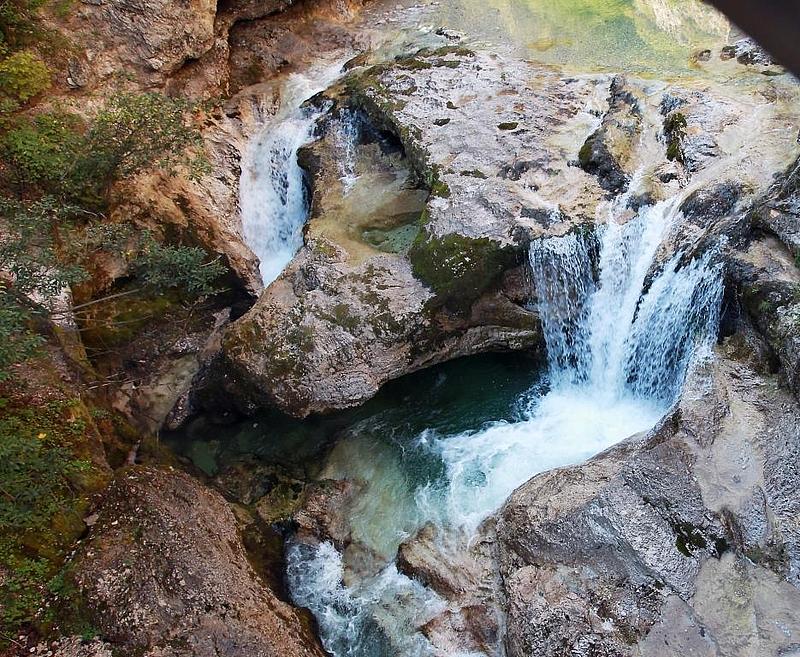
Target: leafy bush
point(162, 267)
point(38, 479)
point(23, 75)
point(19, 22)
point(131, 133)
point(36, 468)
point(41, 271)
point(44, 151)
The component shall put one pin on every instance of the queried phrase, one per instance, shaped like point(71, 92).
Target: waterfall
point(346, 132)
point(619, 336)
point(620, 330)
point(273, 196)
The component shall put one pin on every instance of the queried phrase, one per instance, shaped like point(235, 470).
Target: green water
point(457, 396)
point(644, 37)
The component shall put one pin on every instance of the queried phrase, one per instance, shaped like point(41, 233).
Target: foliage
point(39, 475)
point(36, 467)
point(30, 279)
point(42, 254)
point(162, 267)
point(23, 75)
point(132, 132)
point(19, 23)
point(44, 150)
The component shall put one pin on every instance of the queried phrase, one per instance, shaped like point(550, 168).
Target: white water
point(273, 199)
point(620, 334)
point(346, 132)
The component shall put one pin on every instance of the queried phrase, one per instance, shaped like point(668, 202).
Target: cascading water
point(346, 131)
point(621, 330)
point(273, 197)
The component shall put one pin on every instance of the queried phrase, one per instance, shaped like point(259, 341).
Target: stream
point(623, 323)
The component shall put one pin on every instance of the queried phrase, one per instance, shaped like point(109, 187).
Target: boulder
point(681, 541)
point(164, 572)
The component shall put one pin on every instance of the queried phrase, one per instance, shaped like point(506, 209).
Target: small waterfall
point(377, 618)
point(562, 269)
point(275, 202)
point(620, 336)
point(273, 196)
point(346, 133)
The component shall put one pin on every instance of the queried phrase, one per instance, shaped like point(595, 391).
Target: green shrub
point(19, 22)
point(40, 477)
point(23, 75)
point(36, 468)
point(44, 150)
point(163, 267)
point(134, 132)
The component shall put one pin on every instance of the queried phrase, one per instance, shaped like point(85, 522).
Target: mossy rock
point(459, 269)
point(675, 133)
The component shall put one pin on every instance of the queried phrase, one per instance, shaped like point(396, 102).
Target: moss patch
point(675, 133)
point(457, 268)
point(51, 462)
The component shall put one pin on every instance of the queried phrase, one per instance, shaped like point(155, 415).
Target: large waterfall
point(621, 329)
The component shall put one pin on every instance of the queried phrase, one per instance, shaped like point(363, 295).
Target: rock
point(157, 34)
point(73, 646)
point(164, 572)
point(779, 213)
point(321, 517)
point(767, 276)
point(746, 51)
point(607, 151)
point(639, 544)
point(495, 141)
point(464, 573)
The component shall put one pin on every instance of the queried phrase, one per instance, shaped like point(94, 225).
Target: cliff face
point(70, 407)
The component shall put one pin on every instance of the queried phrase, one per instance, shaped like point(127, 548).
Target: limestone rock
point(607, 151)
point(638, 545)
point(497, 143)
point(164, 572)
point(157, 34)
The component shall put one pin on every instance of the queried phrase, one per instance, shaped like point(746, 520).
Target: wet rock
point(321, 517)
point(463, 572)
point(710, 204)
point(768, 279)
point(607, 152)
point(164, 572)
point(615, 555)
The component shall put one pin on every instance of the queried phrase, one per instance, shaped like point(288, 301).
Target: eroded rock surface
point(682, 541)
point(164, 572)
